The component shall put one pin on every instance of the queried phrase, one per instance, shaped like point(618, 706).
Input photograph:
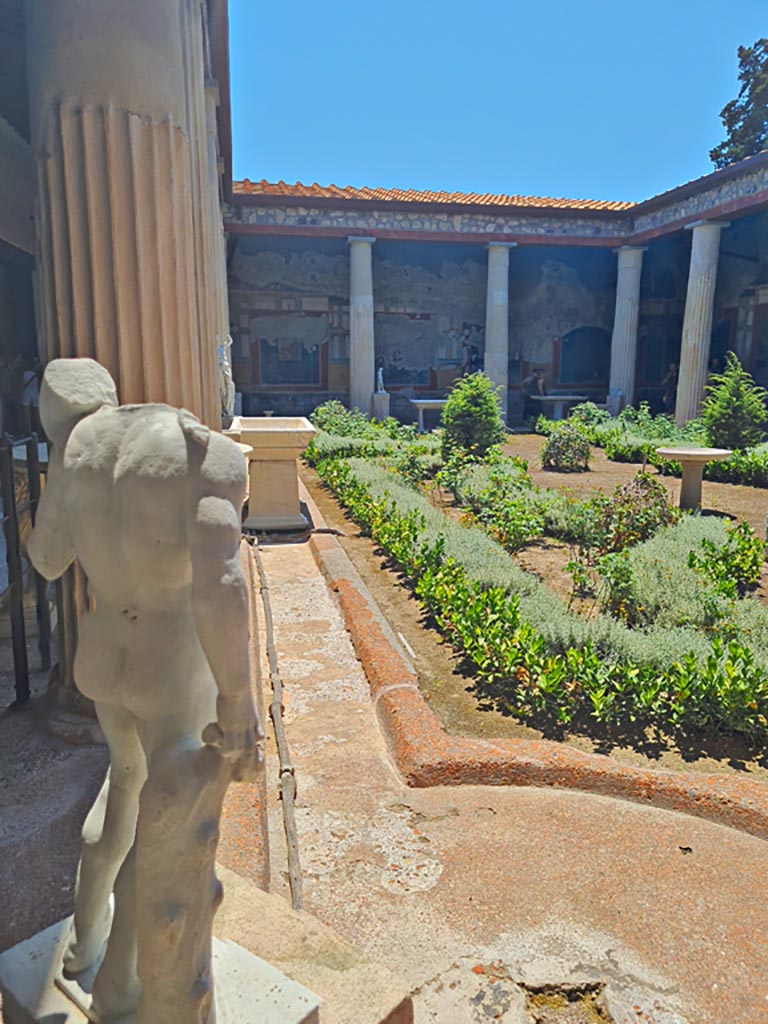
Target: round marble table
point(693, 461)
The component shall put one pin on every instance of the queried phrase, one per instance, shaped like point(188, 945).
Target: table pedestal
point(690, 487)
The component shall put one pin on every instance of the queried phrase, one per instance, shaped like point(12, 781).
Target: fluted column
point(497, 318)
point(624, 338)
point(127, 222)
point(124, 215)
point(697, 324)
point(362, 359)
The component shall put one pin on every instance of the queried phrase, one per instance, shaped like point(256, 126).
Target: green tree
point(734, 409)
point(745, 119)
point(472, 416)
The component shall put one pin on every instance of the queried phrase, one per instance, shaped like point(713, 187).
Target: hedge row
point(530, 654)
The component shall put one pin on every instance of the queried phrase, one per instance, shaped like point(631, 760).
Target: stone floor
point(467, 890)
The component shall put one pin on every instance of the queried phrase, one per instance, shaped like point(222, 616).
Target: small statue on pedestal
point(149, 500)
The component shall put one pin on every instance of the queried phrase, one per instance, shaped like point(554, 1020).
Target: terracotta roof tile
point(397, 195)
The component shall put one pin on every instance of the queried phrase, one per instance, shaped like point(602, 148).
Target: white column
point(624, 338)
point(697, 325)
point(497, 317)
point(362, 361)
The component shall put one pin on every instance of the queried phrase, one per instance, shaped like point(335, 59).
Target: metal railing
point(13, 511)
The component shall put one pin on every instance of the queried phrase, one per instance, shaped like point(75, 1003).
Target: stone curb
point(244, 841)
point(427, 755)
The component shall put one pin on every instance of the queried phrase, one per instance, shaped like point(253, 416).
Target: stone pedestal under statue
point(247, 988)
point(381, 403)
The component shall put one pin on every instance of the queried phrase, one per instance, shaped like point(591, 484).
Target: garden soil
point(446, 680)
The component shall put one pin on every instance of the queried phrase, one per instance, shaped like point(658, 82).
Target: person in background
point(669, 383)
point(532, 385)
point(30, 397)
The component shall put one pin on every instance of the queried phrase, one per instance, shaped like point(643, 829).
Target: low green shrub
point(417, 462)
point(734, 567)
point(634, 512)
point(589, 414)
point(567, 448)
point(530, 654)
point(334, 418)
point(330, 446)
point(617, 594)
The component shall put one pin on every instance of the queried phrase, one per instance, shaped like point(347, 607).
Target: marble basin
point(693, 461)
point(276, 442)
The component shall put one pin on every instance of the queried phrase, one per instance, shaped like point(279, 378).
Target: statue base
point(247, 988)
point(380, 405)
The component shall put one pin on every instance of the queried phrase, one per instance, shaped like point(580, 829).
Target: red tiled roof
point(399, 195)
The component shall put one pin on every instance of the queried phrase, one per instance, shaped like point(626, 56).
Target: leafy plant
point(582, 582)
point(617, 588)
point(567, 448)
point(472, 416)
point(634, 512)
point(417, 462)
point(734, 410)
point(733, 567)
point(589, 414)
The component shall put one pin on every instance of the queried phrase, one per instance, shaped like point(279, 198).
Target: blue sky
point(607, 99)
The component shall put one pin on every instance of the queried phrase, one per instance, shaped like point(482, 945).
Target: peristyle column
point(130, 261)
point(362, 358)
point(497, 318)
point(624, 338)
point(697, 325)
point(125, 212)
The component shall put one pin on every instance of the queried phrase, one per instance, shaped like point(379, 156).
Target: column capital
point(501, 245)
point(707, 223)
point(360, 238)
point(630, 248)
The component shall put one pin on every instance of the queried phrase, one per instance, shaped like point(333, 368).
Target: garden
point(603, 616)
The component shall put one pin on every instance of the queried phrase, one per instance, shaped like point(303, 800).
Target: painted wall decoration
point(289, 299)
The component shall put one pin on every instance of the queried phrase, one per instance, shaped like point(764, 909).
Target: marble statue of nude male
point(149, 500)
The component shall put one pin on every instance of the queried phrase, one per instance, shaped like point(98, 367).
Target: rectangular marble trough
point(276, 442)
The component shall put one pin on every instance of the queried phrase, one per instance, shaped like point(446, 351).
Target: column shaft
point(127, 207)
point(624, 338)
point(497, 318)
point(124, 214)
point(697, 324)
point(362, 360)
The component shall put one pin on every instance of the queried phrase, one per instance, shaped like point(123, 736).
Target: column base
point(247, 988)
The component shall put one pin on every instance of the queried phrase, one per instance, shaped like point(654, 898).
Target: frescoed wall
point(289, 300)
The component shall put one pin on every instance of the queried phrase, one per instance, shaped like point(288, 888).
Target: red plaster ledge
point(427, 755)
